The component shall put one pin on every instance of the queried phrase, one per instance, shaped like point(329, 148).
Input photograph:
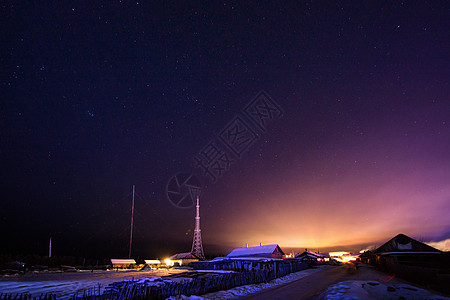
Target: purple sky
point(99, 96)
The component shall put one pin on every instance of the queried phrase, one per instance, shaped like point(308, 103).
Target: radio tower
point(197, 247)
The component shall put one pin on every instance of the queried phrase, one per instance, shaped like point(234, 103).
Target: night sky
point(98, 96)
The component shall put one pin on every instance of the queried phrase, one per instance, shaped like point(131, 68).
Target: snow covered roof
point(122, 261)
point(313, 255)
point(256, 251)
point(152, 261)
point(403, 243)
point(253, 258)
point(187, 255)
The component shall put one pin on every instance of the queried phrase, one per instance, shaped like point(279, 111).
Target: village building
point(262, 251)
point(153, 263)
point(123, 263)
point(313, 258)
point(181, 259)
point(413, 260)
point(403, 250)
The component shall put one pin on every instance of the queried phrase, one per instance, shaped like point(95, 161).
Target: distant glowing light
point(343, 256)
point(338, 253)
point(171, 263)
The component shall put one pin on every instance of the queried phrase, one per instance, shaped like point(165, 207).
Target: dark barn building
point(414, 261)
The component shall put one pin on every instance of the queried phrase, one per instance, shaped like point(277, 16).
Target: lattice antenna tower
point(197, 246)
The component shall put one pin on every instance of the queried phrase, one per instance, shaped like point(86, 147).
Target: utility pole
point(132, 219)
point(50, 248)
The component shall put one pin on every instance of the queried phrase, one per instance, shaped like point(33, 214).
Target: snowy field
point(64, 285)
point(373, 290)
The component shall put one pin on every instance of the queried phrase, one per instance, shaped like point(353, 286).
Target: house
point(119, 263)
point(313, 258)
point(404, 244)
point(403, 250)
point(181, 259)
point(414, 261)
point(262, 251)
point(368, 257)
point(153, 262)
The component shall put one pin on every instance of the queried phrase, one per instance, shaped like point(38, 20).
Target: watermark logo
point(262, 110)
point(238, 136)
point(182, 190)
point(225, 149)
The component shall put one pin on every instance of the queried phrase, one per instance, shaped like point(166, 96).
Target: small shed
point(264, 251)
point(123, 263)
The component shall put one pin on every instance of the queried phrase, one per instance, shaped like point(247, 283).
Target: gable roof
point(313, 255)
point(403, 243)
point(122, 261)
point(187, 255)
point(152, 261)
point(256, 251)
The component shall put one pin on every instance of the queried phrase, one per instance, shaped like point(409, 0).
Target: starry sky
point(98, 96)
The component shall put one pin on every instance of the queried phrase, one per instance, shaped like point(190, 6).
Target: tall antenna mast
point(197, 246)
point(50, 248)
point(132, 219)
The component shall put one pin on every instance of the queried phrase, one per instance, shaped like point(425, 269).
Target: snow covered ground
point(67, 284)
point(373, 290)
point(246, 290)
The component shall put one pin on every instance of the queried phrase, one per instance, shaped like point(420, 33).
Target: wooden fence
point(25, 296)
point(198, 283)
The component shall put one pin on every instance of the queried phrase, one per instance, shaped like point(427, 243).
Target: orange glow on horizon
point(340, 215)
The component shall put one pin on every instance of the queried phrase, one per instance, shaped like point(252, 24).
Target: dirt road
point(311, 286)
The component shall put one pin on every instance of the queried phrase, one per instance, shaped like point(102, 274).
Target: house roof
point(152, 261)
point(313, 255)
point(255, 251)
point(403, 243)
point(187, 255)
point(122, 261)
point(367, 253)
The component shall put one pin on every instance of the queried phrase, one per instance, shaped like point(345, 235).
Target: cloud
point(443, 245)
